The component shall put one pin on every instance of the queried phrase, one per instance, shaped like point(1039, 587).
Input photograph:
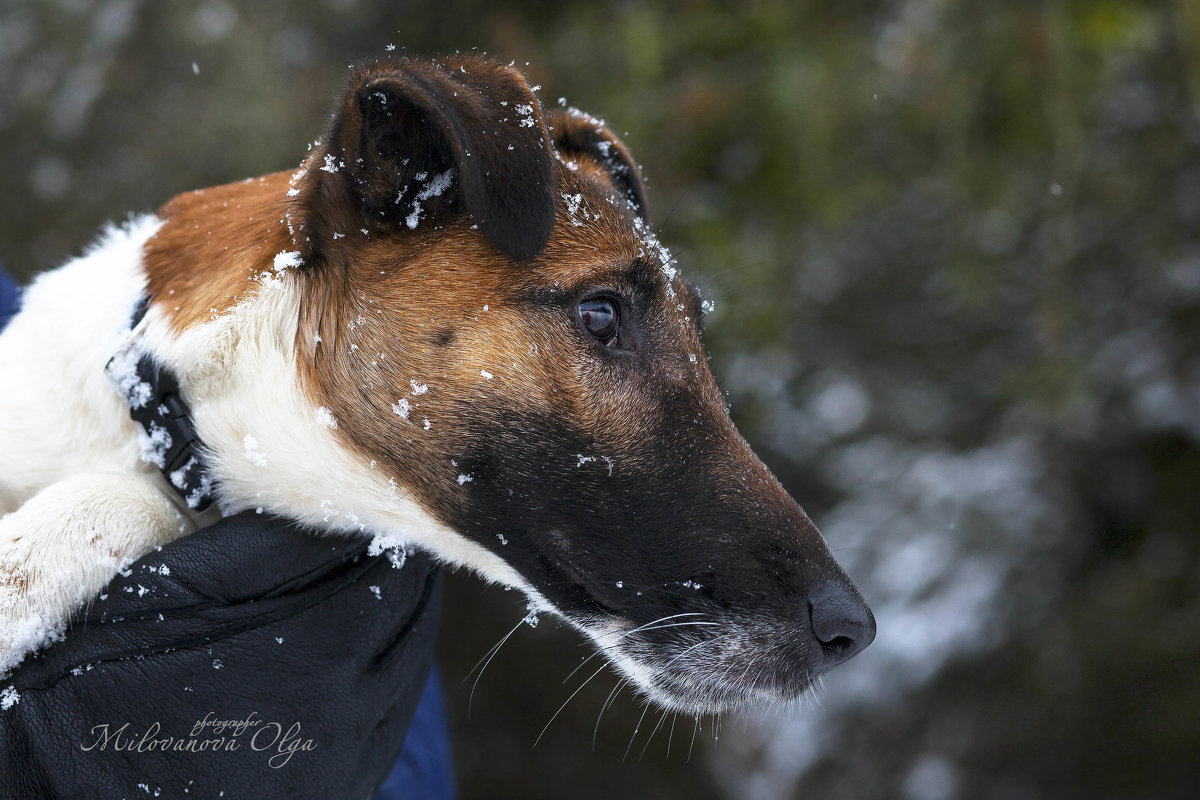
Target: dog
point(452, 329)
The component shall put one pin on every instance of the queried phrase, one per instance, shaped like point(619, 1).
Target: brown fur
point(212, 244)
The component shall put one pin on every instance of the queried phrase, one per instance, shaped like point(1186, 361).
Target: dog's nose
point(841, 622)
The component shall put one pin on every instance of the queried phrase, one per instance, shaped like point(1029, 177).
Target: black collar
point(167, 437)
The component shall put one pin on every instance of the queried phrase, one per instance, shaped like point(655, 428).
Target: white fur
point(69, 460)
point(59, 414)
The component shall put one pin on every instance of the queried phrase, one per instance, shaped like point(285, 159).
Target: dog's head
point(491, 321)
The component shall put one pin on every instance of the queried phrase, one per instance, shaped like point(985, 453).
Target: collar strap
point(166, 434)
point(169, 439)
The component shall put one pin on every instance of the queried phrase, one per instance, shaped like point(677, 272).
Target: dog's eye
point(600, 317)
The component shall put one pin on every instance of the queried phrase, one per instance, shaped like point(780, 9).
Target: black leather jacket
point(263, 661)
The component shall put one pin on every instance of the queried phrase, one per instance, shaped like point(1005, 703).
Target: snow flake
point(438, 185)
point(122, 373)
point(154, 444)
point(253, 454)
point(434, 188)
point(573, 203)
point(288, 258)
point(393, 545)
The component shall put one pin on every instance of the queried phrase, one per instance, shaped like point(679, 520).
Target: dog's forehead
point(598, 239)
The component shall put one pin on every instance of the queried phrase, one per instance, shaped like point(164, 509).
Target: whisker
point(564, 705)
point(652, 622)
point(678, 200)
point(491, 654)
point(695, 728)
point(637, 728)
point(693, 647)
point(600, 716)
point(491, 650)
point(579, 666)
point(605, 648)
point(671, 734)
point(656, 727)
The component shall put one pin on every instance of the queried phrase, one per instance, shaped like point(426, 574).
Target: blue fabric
point(424, 768)
point(10, 297)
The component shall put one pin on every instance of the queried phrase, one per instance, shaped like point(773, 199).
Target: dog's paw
point(20, 631)
point(64, 544)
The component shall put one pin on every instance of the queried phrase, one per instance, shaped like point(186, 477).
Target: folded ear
point(578, 134)
point(413, 142)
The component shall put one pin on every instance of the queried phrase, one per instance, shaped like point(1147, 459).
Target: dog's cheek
point(506, 468)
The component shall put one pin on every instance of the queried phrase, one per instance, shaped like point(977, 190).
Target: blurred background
point(955, 253)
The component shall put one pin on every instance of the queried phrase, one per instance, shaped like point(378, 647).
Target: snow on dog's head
point(486, 318)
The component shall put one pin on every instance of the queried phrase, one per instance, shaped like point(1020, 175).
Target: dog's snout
point(842, 624)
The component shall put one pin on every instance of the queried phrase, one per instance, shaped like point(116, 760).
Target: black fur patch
point(403, 124)
point(577, 134)
point(663, 525)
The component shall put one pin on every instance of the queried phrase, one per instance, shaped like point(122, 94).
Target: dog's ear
point(578, 134)
point(412, 142)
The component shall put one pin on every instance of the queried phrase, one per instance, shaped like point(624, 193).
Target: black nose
point(841, 622)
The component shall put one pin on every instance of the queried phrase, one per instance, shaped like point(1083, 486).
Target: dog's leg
point(62, 546)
